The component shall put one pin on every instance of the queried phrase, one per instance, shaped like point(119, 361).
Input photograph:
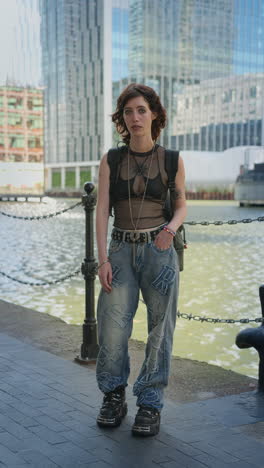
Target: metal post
point(89, 347)
point(254, 337)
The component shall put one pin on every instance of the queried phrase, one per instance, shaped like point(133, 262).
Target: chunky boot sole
point(112, 422)
point(145, 431)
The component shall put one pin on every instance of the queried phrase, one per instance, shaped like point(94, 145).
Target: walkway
point(47, 419)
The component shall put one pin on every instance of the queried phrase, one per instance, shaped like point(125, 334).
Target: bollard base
point(84, 361)
point(88, 354)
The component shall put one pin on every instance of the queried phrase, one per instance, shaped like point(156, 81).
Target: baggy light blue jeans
point(156, 273)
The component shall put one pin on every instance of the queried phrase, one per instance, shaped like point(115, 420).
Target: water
point(223, 271)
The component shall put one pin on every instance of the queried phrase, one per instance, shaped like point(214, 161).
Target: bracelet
point(170, 231)
point(103, 263)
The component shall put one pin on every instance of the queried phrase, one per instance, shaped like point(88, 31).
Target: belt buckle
point(134, 236)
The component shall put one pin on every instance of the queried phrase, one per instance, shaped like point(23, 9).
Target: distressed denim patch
point(164, 279)
point(108, 382)
point(115, 276)
point(120, 316)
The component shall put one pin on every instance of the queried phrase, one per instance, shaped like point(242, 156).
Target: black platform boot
point(147, 422)
point(114, 408)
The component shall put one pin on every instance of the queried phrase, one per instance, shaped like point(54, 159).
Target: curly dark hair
point(134, 90)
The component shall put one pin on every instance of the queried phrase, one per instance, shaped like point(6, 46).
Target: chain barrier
point(196, 318)
point(202, 319)
point(220, 223)
point(42, 283)
point(189, 223)
point(199, 318)
point(31, 218)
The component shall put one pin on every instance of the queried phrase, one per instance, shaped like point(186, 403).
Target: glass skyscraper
point(77, 74)
point(204, 58)
point(74, 67)
point(20, 49)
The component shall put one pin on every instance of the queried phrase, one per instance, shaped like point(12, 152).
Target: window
point(15, 120)
point(35, 142)
point(196, 101)
point(15, 102)
point(253, 92)
point(34, 122)
point(35, 103)
point(16, 141)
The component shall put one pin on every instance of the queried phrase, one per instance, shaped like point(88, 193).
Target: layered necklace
point(140, 169)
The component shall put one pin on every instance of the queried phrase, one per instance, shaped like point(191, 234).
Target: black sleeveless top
point(145, 173)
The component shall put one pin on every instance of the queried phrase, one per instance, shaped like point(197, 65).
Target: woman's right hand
point(105, 276)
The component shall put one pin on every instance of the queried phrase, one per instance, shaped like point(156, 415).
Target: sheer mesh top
point(142, 173)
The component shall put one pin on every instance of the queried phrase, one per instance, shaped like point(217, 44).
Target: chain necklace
point(144, 193)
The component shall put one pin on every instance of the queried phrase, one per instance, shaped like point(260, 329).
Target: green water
point(223, 271)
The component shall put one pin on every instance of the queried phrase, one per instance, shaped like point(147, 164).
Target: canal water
point(224, 267)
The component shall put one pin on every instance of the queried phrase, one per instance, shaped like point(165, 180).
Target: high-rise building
point(21, 124)
point(21, 98)
point(204, 58)
point(21, 140)
point(77, 73)
point(20, 49)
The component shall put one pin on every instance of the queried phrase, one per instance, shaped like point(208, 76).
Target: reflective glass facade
point(205, 59)
point(72, 36)
point(20, 49)
point(119, 40)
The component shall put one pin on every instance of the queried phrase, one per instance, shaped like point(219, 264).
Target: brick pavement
point(47, 419)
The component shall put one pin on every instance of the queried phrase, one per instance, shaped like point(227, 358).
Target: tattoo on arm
point(178, 194)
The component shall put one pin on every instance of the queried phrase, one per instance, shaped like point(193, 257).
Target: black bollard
point(254, 337)
point(89, 347)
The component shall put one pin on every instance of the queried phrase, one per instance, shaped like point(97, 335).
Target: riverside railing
point(89, 347)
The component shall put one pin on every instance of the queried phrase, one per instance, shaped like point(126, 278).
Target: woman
point(141, 257)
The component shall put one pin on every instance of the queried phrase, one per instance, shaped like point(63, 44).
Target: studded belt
point(138, 237)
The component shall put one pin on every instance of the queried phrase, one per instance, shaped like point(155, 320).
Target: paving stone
point(49, 435)
point(217, 453)
point(37, 459)
point(14, 428)
point(84, 438)
point(242, 464)
point(100, 464)
point(68, 454)
point(11, 442)
point(180, 464)
point(48, 408)
point(8, 458)
point(51, 423)
point(55, 414)
point(18, 417)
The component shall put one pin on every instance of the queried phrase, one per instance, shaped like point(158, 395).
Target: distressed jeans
point(156, 273)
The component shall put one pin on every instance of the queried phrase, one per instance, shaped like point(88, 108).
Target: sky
point(20, 52)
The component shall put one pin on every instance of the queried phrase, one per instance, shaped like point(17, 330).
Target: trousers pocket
point(115, 246)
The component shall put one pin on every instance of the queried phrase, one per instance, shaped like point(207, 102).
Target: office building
point(204, 58)
point(21, 124)
point(77, 75)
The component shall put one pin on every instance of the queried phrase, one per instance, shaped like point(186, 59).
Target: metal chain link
point(220, 223)
point(31, 218)
point(43, 283)
point(190, 223)
point(199, 318)
point(196, 318)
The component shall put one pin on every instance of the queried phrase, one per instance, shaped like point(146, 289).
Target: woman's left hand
point(163, 240)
